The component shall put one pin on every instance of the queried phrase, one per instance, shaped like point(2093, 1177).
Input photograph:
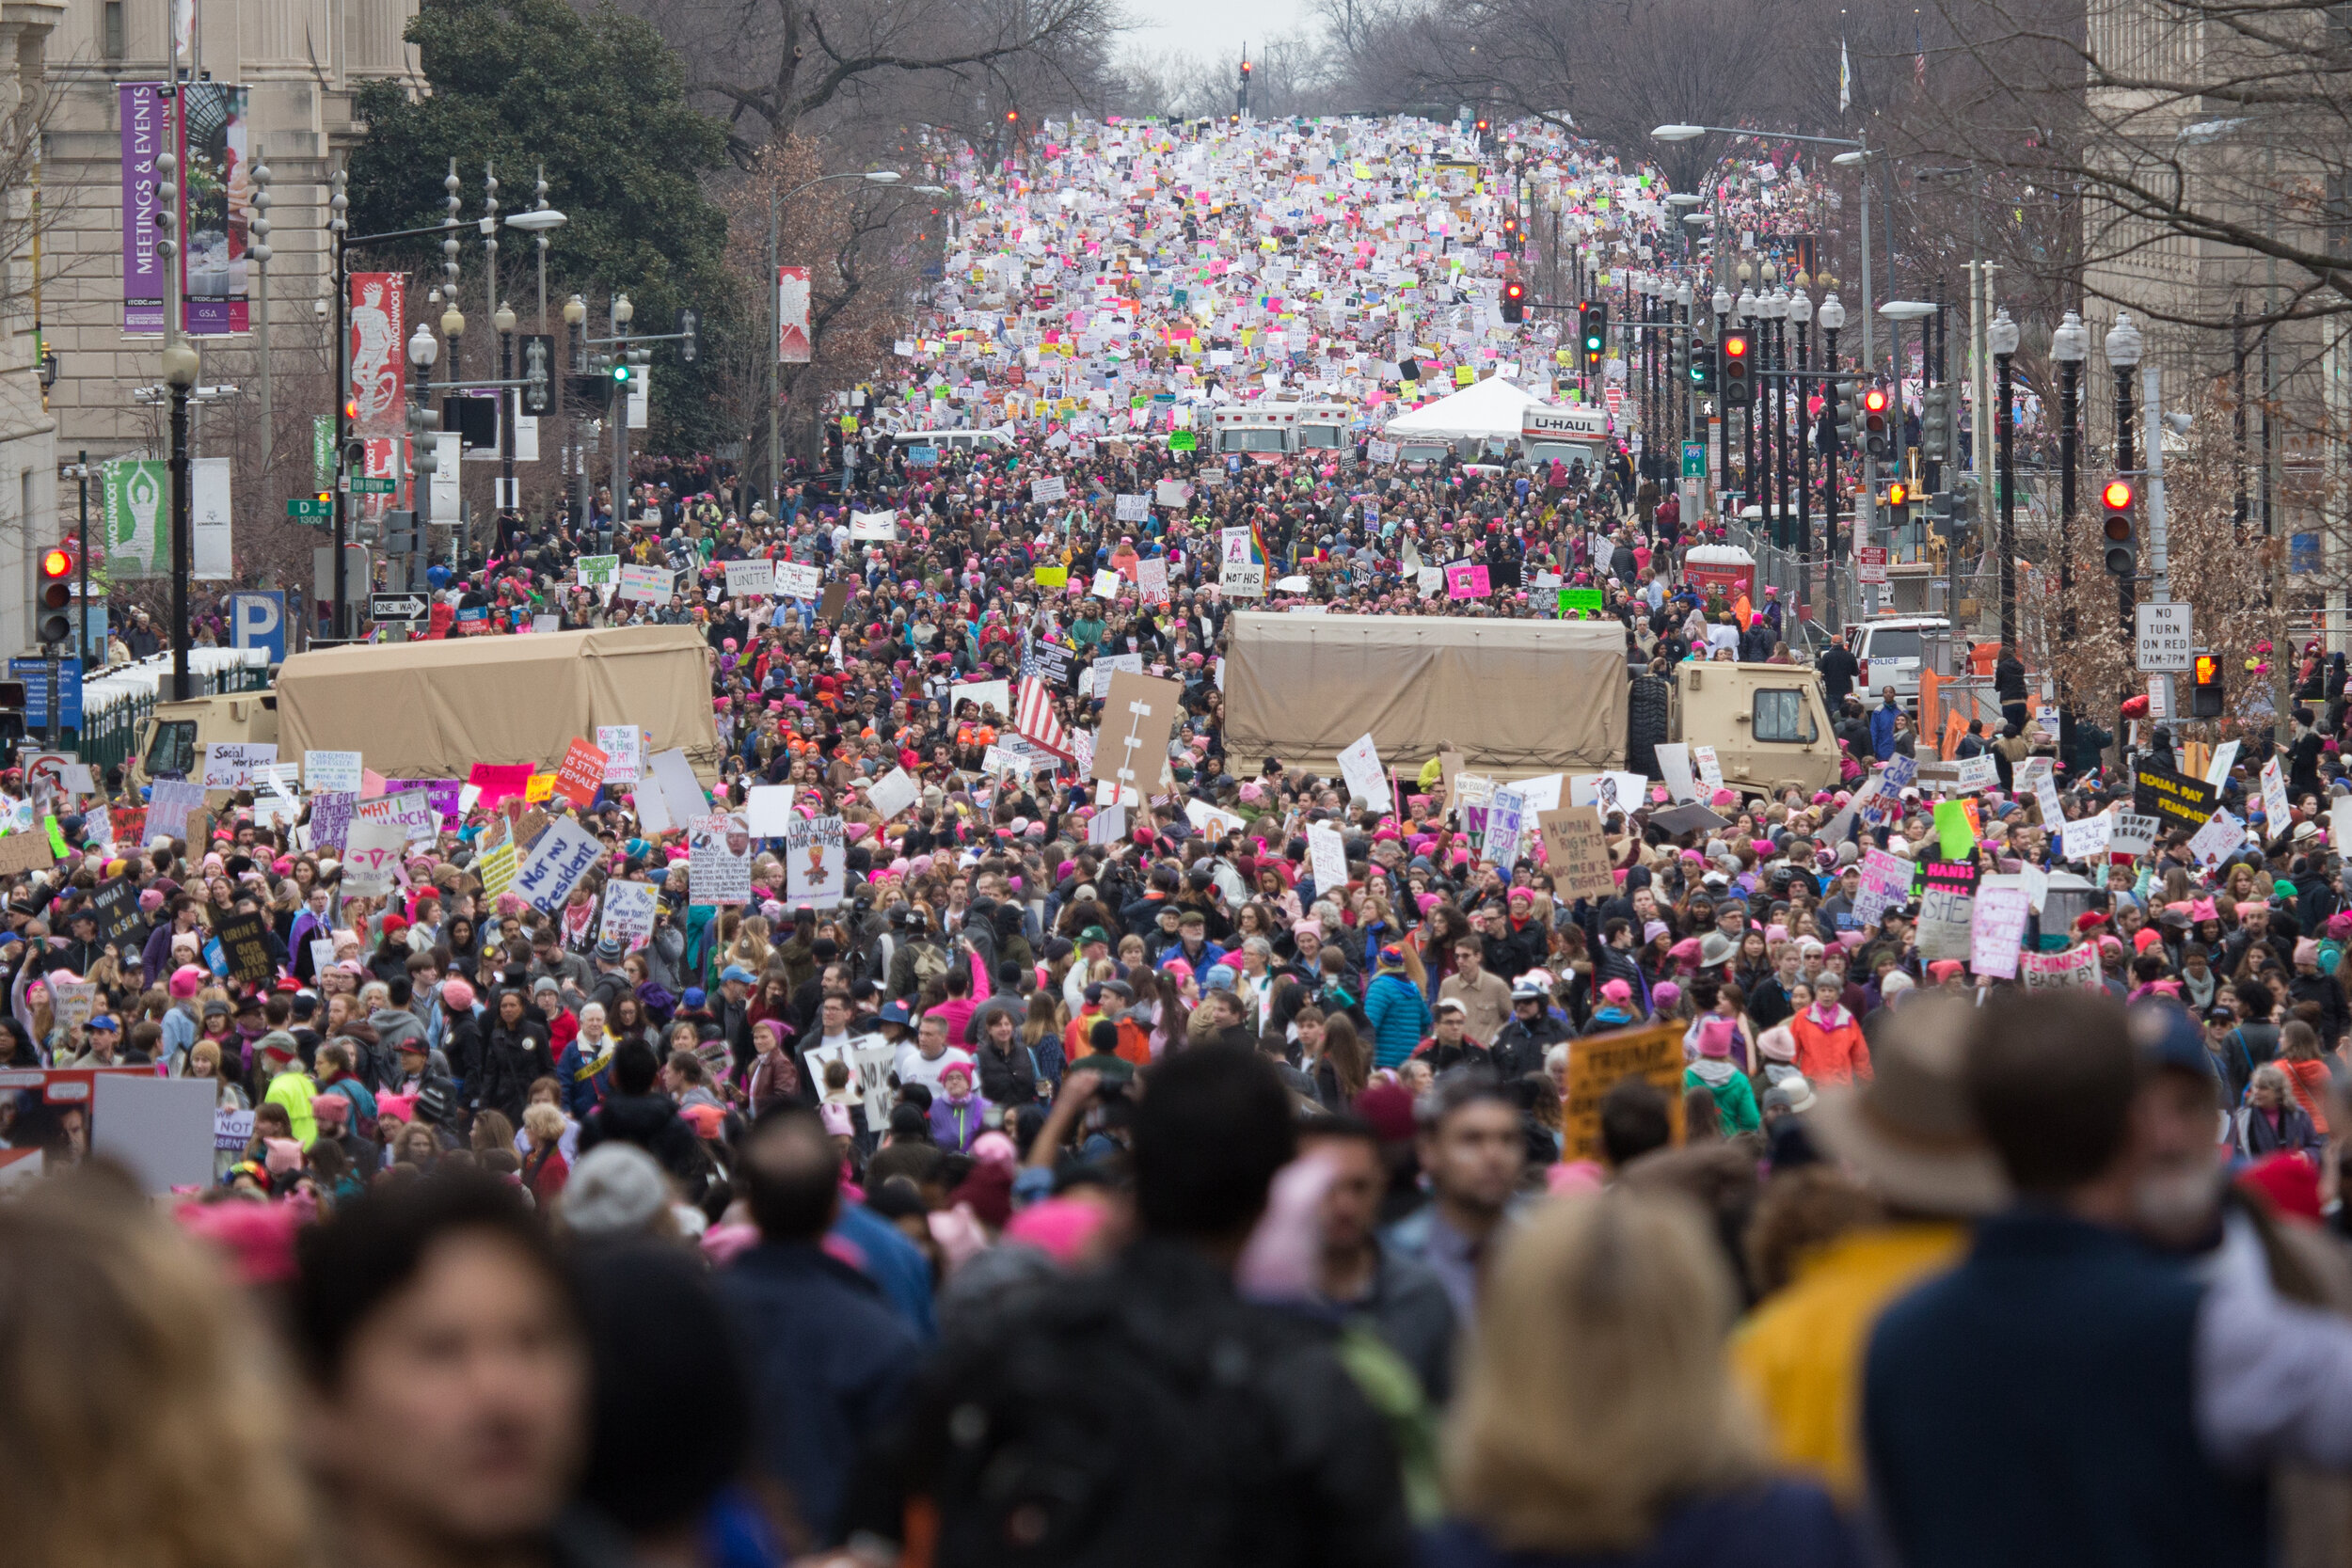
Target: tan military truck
point(1517, 699)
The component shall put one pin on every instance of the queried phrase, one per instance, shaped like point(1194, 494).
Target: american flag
point(1033, 717)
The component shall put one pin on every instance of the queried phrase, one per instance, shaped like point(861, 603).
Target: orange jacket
point(1829, 1054)
point(1133, 1044)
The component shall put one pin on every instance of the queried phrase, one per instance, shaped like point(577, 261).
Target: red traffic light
point(2117, 494)
point(1874, 400)
point(1734, 346)
point(1013, 116)
point(58, 562)
point(1515, 290)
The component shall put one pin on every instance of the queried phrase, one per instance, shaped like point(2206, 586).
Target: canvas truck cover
point(1516, 696)
point(431, 710)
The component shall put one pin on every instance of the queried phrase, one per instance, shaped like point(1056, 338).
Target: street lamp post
point(1801, 311)
point(453, 328)
point(623, 313)
point(1722, 302)
point(423, 351)
point(2001, 337)
point(576, 328)
point(2125, 346)
point(510, 507)
point(2069, 345)
point(179, 372)
point(1832, 316)
point(1776, 308)
point(1747, 308)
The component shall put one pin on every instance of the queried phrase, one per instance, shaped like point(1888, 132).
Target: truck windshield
point(1255, 439)
point(1781, 718)
point(171, 749)
point(1319, 437)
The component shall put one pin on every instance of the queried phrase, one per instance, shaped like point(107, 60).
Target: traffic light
point(1935, 425)
point(1592, 321)
point(400, 533)
point(1514, 300)
point(1843, 413)
point(689, 326)
point(2207, 693)
point(1701, 368)
point(1877, 438)
point(2115, 500)
point(57, 593)
point(424, 451)
point(1681, 356)
point(1739, 390)
point(1897, 496)
point(1485, 133)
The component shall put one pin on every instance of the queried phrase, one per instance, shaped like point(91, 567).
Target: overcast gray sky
point(1211, 27)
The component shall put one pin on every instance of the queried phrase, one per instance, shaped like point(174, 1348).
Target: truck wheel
point(1646, 723)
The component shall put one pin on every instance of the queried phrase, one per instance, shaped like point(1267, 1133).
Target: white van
point(1569, 435)
point(1891, 651)
point(995, 439)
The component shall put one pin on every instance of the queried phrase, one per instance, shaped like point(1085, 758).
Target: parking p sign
point(2166, 642)
point(259, 621)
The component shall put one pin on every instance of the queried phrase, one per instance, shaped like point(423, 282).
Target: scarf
point(1830, 1015)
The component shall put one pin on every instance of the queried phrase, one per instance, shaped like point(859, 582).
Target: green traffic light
point(620, 373)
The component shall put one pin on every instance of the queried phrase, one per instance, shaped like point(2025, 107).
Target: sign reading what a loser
point(2174, 799)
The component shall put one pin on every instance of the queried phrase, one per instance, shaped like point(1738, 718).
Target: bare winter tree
point(862, 245)
point(777, 68)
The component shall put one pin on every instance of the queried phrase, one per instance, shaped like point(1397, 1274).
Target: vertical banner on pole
point(379, 372)
point(138, 540)
point(142, 109)
point(792, 345)
point(215, 177)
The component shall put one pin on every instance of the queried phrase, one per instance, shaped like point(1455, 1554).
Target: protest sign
point(1139, 715)
point(646, 584)
point(893, 793)
point(497, 866)
point(1886, 885)
point(629, 911)
point(1466, 579)
point(1601, 1062)
point(411, 811)
point(1674, 767)
point(1506, 822)
point(620, 745)
point(1050, 488)
point(815, 861)
point(2076, 967)
point(751, 579)
point(2087, 838)
point(1326, 854)
point(372, 857)
point(598, 571)
point(2274, 808)
point(1607, 793)
point(769, 810)
point(1576, 852)
point(798, 581)
point(116, 905)
point(2132, 834)
point(1152, 580)
point(1996, 929)
point(495, 781)
point(322, 771)
point(246, 938)
point(555, 865)
point(2174, 799)
point(1945, 918)
point(232, 764)
point(719, 864)
point(1131, 509)
point(1366, 780)
point(2221, 836)
point(580, 774)
point(1977, 774)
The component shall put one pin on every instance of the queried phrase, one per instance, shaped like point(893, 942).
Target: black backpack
point(1104, 1432)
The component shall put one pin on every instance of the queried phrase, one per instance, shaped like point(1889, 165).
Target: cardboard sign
point(1946, 925)
point(1576, 852)
point(21, 853)
point(1139, 717)
point(1326, 853)
point(836, 598)
point(580, 774)
point(768, 809)
point(893, 793)
point(1601, 1062)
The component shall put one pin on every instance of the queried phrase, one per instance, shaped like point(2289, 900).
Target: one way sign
point(397, 607)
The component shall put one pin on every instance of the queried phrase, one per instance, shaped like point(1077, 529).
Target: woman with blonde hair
point(1598, 1417)
point(141, 1424)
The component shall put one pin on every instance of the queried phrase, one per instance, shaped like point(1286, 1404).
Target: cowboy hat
point(1909, 1131)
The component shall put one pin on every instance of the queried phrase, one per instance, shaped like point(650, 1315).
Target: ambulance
point(1262, 431)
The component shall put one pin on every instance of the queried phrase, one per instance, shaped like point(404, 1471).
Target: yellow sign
point(1600, 1063)
point(541, 786)
point(1051, 577)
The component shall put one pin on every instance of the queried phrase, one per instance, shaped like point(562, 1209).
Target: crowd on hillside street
point(957, 1159)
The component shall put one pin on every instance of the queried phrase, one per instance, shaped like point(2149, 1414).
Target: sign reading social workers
point(259, 621)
